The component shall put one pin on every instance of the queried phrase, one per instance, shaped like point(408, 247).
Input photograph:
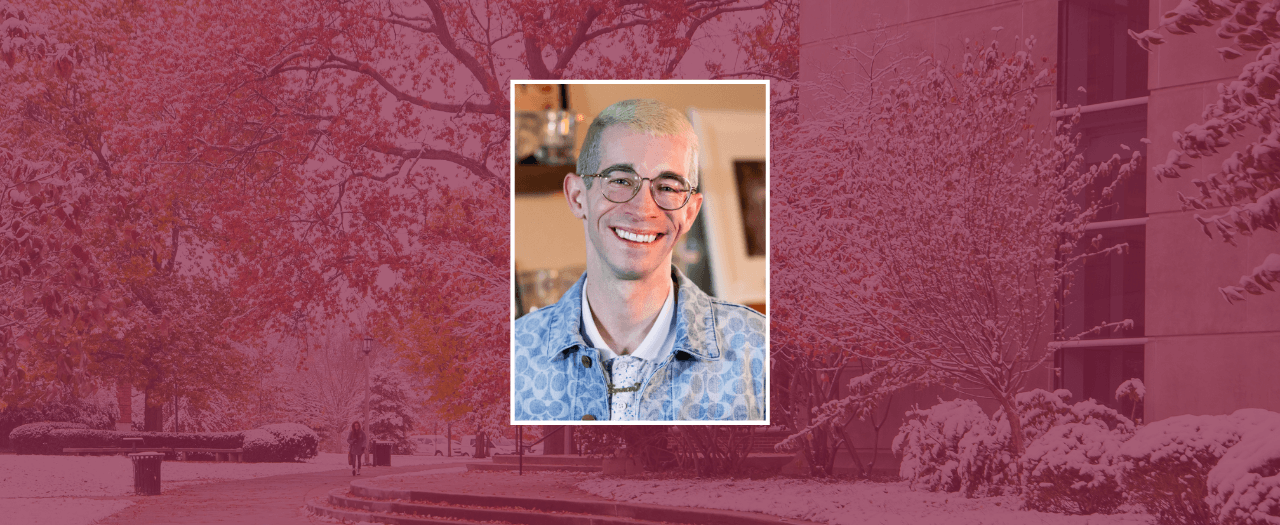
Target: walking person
point(355, 444)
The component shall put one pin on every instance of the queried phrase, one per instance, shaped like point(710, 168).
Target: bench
point(111, 450)
point(219, 454)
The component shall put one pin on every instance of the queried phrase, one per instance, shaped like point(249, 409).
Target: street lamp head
point(368, 345)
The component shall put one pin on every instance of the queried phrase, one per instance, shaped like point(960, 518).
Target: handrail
point(544, 438)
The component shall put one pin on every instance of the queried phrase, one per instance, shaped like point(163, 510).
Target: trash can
point(146, 472)
point(382, 453)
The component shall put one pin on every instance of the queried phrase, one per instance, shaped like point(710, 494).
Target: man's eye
point(620, 181)
point(668, 185)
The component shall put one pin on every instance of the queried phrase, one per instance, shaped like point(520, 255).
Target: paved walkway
point(541, 484)
point(271, 500)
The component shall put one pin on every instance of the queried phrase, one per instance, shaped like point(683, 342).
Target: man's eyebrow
point(631, 169)
point(619, 167)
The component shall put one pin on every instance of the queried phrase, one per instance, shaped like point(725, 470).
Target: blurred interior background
point(725, 252)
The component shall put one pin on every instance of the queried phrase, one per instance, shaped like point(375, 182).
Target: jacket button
point(586, 361)
point(588, 417)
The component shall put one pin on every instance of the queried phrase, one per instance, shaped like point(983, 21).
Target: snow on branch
point(1248, 182)
point(938, 212)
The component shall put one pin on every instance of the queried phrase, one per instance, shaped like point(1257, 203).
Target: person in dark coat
point(355, 444)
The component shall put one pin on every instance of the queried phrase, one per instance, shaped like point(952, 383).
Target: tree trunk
point(153, 412)
point(1015, 435)
point(481, 449)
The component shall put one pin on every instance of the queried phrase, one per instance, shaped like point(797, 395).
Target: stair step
point(533, 468)
point(511, 459)
point(358, 516)
point(596, 512)
point(402, 511)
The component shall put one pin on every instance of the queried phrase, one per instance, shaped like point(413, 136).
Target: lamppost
point(368, 347)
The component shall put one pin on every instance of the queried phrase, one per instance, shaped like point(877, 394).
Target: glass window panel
point(1107, 288)
point(1096, 373)
point(1096, 53)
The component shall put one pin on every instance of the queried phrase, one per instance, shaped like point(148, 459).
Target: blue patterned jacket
point(715, 370)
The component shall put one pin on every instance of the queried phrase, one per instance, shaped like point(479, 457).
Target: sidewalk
point(275, 500)
point(541, 484)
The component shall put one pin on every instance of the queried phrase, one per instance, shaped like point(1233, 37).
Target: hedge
point(281, 442)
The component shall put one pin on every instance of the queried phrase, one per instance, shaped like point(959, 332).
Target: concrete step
point(529, 459)
point(344, 515)
point(415, 513)
point(363, 496)
point(533, 467)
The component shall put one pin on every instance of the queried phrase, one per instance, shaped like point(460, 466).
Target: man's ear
point(695, 204)
point(575, 191)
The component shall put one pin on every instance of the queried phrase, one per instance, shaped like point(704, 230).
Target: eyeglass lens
point(670, 192)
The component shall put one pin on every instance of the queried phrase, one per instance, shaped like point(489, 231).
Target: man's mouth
point(635, 236)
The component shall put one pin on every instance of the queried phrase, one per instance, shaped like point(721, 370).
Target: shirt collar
point(694, 321)
point(655, 345)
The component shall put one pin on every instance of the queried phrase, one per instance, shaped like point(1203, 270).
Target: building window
point(1100, 64)
point(1096, 372)
point(1107, 288)
point(1097, 53)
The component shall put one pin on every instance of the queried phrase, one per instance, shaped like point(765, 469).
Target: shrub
point(53, 440)
point(92, 416)
point(955, 447)
point(280, 442)
point(1074, 469)
point(1244, 487)
point(929, 443)
point(1167, 463)
point(35, 438)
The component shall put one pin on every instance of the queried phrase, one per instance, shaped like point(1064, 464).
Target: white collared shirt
point(657, 343)
point(625, 371)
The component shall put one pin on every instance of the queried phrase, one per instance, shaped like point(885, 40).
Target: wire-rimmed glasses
point(670, 191)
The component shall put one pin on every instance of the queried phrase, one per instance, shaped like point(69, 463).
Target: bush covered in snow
point(1167, 466)
point(1244, 487)
point(90, 415)
point(274, 443)
point(38, 438)
point(929, 443)
point(280, 442)
point(1074, 469)
point(956, 447)
point(34, 438)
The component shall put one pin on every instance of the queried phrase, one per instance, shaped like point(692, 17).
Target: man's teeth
point(635, 237)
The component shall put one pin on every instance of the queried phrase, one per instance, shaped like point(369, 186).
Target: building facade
point(1195, 352)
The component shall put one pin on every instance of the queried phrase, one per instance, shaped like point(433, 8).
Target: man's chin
point(637, 272)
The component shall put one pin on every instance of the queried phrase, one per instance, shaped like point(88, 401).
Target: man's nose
point(644, 198)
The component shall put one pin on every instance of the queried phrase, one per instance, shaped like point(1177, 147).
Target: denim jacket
point(714, 371)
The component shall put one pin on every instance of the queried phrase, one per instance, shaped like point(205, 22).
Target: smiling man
point(633, 339)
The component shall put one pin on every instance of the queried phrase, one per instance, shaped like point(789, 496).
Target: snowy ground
point(71, 490)
point(841, 503)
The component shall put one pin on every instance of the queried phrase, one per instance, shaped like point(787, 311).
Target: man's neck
point(624, 311)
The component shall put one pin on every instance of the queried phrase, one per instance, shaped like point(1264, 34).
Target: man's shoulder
point(741, 327)
point(533, 332)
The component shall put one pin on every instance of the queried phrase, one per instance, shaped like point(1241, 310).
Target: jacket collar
point(695, 321)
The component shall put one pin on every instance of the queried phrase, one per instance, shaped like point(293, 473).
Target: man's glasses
point(670, 192)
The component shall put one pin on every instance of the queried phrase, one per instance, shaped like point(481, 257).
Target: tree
point(333, 158)
point(390, 414)
point(940, 221)
point(172, 342)
point(1249, 179)
point(52, 293)
point(325, 382)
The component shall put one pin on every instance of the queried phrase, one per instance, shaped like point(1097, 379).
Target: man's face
point(632, 240)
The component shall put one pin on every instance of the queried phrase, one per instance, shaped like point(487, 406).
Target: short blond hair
point(640, 115)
